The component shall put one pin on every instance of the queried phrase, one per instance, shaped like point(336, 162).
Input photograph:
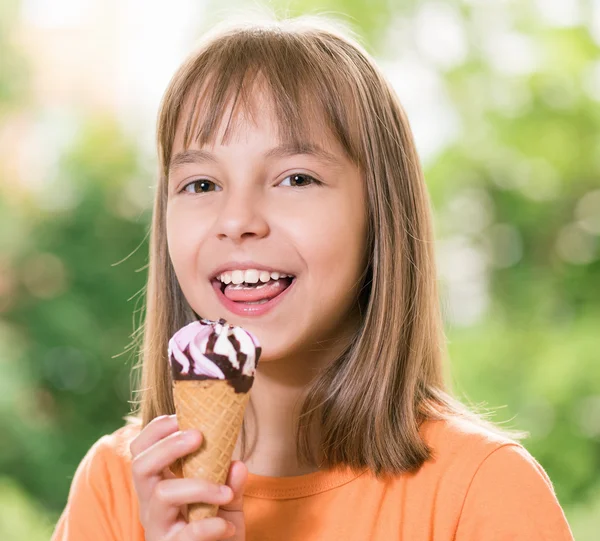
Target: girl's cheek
point(181, 248)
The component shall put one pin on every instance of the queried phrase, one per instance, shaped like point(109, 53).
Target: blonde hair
point(369, 402)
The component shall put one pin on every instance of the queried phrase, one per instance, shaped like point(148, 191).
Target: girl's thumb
point(236, 479)
point(234, 510)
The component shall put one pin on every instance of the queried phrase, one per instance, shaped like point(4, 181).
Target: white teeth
point(250, 276)
point(237, 276)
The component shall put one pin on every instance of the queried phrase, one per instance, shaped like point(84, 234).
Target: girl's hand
point(163, 497)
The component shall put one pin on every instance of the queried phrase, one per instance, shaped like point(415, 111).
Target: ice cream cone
point(214, 408)
point(213, 366)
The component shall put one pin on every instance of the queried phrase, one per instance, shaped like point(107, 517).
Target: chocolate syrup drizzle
point(240, 382)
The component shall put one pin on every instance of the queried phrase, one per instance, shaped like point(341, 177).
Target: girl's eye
point(297, 180)
point(199, 186)
point(300, 180)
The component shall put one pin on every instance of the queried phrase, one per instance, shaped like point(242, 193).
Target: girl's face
point(251, 204)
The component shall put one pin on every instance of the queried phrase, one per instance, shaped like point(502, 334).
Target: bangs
point(308, 90)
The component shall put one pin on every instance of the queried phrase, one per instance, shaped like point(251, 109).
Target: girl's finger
point(147, 468)
point(170, 495)
point(156, 430)
point(236, 479)
point(177, 492)
point(207, 529)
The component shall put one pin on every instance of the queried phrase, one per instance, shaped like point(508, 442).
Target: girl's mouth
point(252, 298)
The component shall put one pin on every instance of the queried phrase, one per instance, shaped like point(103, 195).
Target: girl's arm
point(511, 497)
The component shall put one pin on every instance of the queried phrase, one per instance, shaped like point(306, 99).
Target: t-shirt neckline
point(298, 486)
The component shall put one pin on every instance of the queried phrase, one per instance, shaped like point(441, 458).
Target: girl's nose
point(241, 216)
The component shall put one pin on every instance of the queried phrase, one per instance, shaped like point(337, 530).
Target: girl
point(286, 160)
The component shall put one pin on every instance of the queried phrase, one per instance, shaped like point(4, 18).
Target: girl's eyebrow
point(285, 150)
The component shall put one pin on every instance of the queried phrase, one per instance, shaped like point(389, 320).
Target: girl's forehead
point(245, 121)
point(212, 111)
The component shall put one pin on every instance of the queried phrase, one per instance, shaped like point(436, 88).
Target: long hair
point(370, 401)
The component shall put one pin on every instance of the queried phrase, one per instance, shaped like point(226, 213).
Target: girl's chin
point(273, 355)
point(277, 349)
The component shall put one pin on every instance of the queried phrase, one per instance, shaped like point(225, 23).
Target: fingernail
point(230, 528)
point(226, 491)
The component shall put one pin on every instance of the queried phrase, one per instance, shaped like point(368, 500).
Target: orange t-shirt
point(478, 487)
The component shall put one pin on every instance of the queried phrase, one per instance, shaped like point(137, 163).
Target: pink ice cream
point(214, 350)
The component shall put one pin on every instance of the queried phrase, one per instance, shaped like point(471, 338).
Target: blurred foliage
point(20, 517)
point(69, 314)
point(517, 201)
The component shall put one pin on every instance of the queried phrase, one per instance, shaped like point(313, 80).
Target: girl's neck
point(278, 392)
point(271, 420)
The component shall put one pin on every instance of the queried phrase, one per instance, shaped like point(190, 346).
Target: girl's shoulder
point(456, 435)
point(462, 445)
point(475, 463)
point(493, 482)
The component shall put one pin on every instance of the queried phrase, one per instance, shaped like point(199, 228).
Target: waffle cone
point(214, 408)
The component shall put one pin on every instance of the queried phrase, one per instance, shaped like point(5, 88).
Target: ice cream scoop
point(214, 350)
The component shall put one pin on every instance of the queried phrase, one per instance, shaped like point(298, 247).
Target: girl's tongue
point(258, 292)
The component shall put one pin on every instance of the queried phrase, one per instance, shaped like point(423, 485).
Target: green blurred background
point(503, 97)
